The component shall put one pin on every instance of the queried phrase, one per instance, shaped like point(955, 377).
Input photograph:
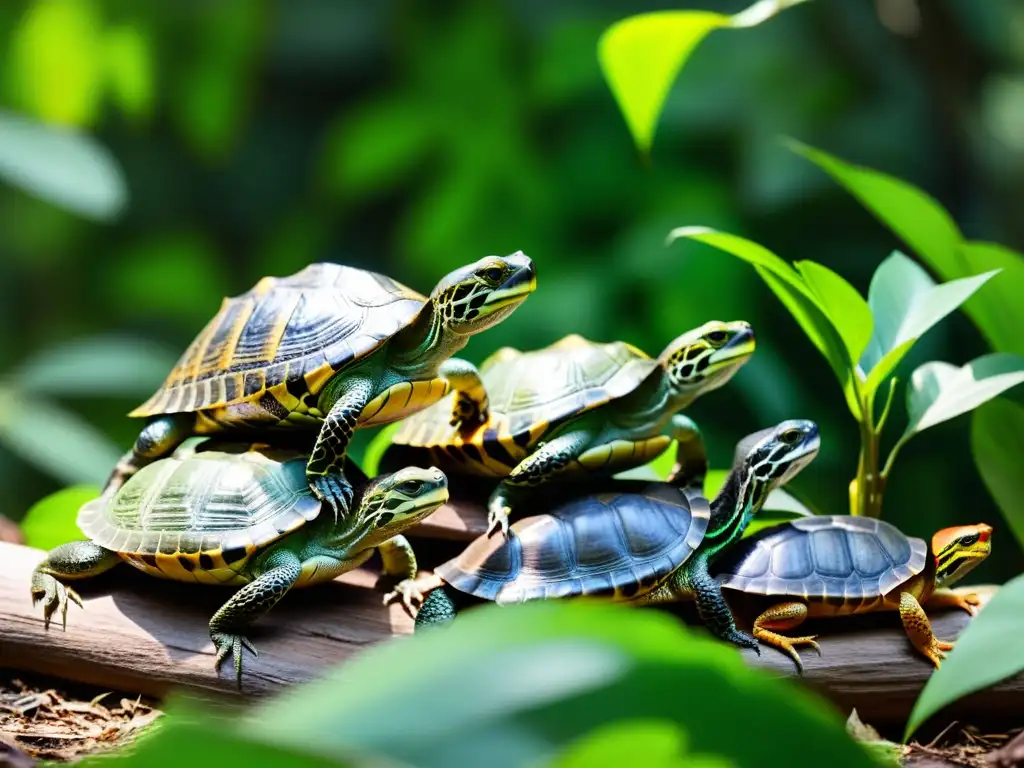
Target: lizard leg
point(278, 573)
point(157, 439)
point(947, 598)
point(782, 617)
point(548, 461)
point(324, 470)
point(74, 560)
point(439, 607)
point(471, 406)
point(919, 630)
point(399, 572)
point(691, 465)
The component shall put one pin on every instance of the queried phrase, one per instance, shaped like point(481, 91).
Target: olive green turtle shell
point(203, 510)
point(531, 391)
point(294, 331)
point(823, 557)
point(616, 544)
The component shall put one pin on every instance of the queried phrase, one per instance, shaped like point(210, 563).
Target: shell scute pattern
point(206, 502)
point(587, 546)
point(835, 558)
point(285, 330)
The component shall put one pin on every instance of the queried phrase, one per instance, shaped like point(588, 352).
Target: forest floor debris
point(49, 720)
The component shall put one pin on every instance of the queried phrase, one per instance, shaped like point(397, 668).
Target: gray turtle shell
point(823, 557)
point(620, 543)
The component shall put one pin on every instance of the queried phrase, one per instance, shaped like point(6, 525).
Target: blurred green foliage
point(255, 137)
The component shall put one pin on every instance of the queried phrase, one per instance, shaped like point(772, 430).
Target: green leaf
point(997, 441)
point(906, 303)
point(905, 209)
point(98, 365)
point(998, 311)
point(986, 652)
point(375, 450)
point(939, 391)
point(52, 520)
point(65, 168)
point(650, 743)
point(641, 56)
point(55, 440)
point(849, 313)
point(752, 253)
point(129, 70)
point(577, 667)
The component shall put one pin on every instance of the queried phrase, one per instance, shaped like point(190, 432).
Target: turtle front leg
point(324, 470)
point(782, 617)
point(75, 560)
point(399, 572)
point(691, 465)
point(158, 439)
point(548, 461)
point(278, 573)
point(919, 630)
point(471, 407)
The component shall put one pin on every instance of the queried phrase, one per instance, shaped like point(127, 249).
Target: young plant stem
point(866, 500)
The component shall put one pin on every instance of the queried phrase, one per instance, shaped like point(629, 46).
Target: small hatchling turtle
point(635, 541)
point(241, 515)
point(840, 564)
point(329, 350)
point(581, 408)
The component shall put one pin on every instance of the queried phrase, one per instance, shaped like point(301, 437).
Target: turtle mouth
point(739, 346)
point(516, 287)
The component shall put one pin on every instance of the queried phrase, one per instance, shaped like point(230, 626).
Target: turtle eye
point(968, 541)
point(790, 436)
point(411, 487)
point(493, 274)
point(718, 337)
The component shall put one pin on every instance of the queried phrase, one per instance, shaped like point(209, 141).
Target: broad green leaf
point(986, 652)
point(641, 56)
point(52, 520)
point(997, 441)
point(884, 368)
point(60, 166)
point(939, 391)
point(906, 303)
point(849, 313)
point(752, 253)
point(55, 440)
point(577, 667)
point(55, 66)
point(650, 743)
point(997, 311)
point(99, 365)
point(129, 70)
point(375, 450)
point(905, 209)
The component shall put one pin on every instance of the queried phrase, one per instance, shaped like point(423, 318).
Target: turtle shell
point(823, 557)
point(618, 543)
point(532, 391)
point(198, 515)
point(295, 330)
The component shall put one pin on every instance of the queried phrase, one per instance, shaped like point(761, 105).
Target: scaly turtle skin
point(579, 408)
point(330, 349)
point(640, 542)
point(242, 516)
point(837, 565)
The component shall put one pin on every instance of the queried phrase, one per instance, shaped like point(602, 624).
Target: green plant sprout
point(865, 340)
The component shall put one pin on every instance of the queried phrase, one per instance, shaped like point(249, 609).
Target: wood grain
point(144, 635)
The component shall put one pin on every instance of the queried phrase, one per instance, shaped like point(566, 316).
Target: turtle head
point(390, 503)
point(958, 549)
point(705, 358)
point(475, 297)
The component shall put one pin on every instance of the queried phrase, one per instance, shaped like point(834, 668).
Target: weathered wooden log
point(145, 635)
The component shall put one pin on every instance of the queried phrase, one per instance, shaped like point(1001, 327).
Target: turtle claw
point(54, 596)
point(335, 491)
point(408, 591)
point(498, 518)
point(230, 643)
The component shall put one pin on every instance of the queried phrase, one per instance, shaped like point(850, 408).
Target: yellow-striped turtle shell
point(618, 544)
point(289, 333)
point(529, 392)
point(849, 562)
point(199, 515)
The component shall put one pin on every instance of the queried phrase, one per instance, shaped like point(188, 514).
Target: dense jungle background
point(410, 138)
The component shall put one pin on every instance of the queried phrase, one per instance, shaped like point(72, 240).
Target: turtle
point(832, 565)
point(330, 349)
point(241, 515)
point(580, 408)
point(626, 540)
